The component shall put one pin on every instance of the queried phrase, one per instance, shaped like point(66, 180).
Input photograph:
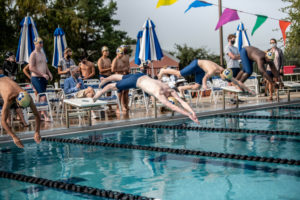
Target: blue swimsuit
point(246, 62)
point(193, 68)
point(128, 81)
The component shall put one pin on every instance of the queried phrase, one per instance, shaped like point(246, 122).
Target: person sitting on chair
point(158, 89)
point(11, 94)
point(74, 84)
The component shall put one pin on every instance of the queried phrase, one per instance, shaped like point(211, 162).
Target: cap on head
point(104, 48)
point(270, 55)
point(37, 40)
point(8, 54)
point(23, 99)
point(67, 50)
point(120, 50)
point(172, 100)
point(227, 73)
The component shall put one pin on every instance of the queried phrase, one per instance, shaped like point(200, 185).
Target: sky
point(196, 28)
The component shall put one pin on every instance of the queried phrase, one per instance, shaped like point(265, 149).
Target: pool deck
point(138, 115)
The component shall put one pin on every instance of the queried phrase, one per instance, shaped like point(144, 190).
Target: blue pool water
point(164, 175)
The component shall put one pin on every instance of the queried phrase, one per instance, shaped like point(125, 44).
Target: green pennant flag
point(259, 21)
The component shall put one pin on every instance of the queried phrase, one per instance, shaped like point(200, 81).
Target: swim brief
point(246, 62)
point(193, 68)
point(128, 81)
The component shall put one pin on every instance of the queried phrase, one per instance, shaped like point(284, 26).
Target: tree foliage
point(88, 24)
point(292, 50)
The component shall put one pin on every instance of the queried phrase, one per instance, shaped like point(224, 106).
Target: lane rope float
point(215, 129)
point(257, 116)
point(177, 151)
point(72, 187)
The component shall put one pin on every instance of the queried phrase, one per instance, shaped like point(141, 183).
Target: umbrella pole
point(152, 70)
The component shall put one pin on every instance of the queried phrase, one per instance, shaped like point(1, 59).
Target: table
point(85, 104)
point(289, 86)
point(232, 89)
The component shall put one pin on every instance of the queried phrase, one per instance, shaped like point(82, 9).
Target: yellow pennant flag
point(165, 3)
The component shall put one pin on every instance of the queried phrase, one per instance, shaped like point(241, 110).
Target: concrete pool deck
point(138, 115)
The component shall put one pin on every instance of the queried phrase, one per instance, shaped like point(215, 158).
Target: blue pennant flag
point(197, 4)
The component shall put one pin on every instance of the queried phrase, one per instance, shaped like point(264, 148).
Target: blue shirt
point(70, 85)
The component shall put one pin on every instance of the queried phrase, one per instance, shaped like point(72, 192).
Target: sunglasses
point(41, 42)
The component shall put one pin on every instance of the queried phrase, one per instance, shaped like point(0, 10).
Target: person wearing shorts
point(40, 74)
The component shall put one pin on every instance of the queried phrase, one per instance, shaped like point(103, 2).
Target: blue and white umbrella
point(149, 49)
point(60, 44)
point(241, 37)
point(26, 45)
point(137, 48)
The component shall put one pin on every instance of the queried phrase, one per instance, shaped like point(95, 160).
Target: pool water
point(164, 175)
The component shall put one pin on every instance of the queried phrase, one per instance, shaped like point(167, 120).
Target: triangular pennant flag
point(197, 4)
point(165, 3)
point(228, 15)
point(259, 21)
point(283, 25)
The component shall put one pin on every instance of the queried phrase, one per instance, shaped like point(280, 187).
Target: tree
point(88, 25)
point(292, 50)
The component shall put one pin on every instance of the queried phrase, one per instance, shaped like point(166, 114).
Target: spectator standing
point(104, 64)
point(232, 56)
point(278, 62)
point(40, 73)
point(86, 68)
point(119, 67)
point(10, 67)
point(65, 63)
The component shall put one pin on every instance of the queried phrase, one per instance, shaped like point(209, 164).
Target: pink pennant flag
point(228, 15)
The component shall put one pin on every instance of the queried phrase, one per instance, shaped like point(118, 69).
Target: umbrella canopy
point(241, 37)
point(26, 45)
point(149, 49)
point(60, 44)
point(137, 48)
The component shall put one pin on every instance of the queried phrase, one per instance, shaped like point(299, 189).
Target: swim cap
point(120, 50)
point(270, 55)
point(227, 73)
point(37, 40)
point(23, 99)
point(104, 48)
point(172, 100)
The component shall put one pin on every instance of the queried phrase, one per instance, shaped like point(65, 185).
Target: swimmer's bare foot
point(37, 138)
point(118, 111)
point(18, 142)
point(271, 98)
point(159, 76)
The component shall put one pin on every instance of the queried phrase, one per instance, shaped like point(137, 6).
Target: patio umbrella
point(60, 44)
point(26, 45)
point(241, 37)
point(150, 49)
point(137, 48)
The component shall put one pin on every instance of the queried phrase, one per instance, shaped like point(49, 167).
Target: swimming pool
point(164, 175)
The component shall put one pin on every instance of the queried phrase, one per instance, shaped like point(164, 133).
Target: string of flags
point(230, 15)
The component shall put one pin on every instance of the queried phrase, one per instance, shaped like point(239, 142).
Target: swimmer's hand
point(18, 142)
point(204, 87)
point(94, 100)
point(194, 118)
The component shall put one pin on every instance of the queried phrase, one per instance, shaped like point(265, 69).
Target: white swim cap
point(23, 99)
point(227, 73)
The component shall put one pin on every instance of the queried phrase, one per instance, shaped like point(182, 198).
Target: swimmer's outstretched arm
point(107, 88)
point(114, 77)
point(4, 116)
point(242, 86)
point(163, 99)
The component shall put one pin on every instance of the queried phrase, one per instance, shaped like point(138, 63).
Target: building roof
point(168, 59)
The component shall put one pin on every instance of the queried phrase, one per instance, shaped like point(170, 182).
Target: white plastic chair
point(135, 98)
